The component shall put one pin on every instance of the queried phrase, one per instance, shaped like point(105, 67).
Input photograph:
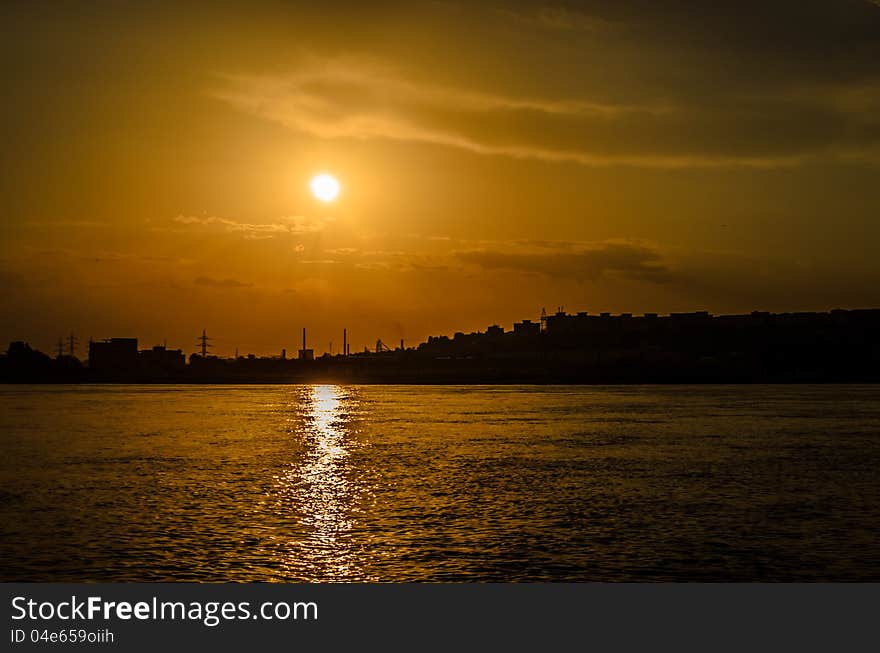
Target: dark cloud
point(627, 260)
point(10, 279)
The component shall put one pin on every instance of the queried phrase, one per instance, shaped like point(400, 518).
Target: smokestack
point(304, 338)
point(345, 342)
point(401, 344)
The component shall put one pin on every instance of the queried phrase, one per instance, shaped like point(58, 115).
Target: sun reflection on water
point(322, 488)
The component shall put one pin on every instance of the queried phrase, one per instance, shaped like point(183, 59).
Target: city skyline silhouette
point(698, 347)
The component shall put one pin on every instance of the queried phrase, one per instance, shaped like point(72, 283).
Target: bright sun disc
point(324, 187)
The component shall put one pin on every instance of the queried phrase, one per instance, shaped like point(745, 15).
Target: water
point(406, 483)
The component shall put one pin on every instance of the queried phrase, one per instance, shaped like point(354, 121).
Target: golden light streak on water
point(321, 487)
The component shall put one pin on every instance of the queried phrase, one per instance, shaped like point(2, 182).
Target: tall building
point(113, 355)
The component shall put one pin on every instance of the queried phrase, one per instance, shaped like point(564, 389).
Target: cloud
point(364, 102)
point(67, 224)
point(288, 225)
point(555, 18)
point(221, 283)
point(583, 262)
point(697, 124)
point(560, 259)
point(344, 251)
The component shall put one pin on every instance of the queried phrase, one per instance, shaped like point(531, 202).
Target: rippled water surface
point(402, 483)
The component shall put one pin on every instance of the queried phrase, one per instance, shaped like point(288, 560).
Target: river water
point(439, 483)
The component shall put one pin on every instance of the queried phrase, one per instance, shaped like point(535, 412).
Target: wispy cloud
point(221, 283)
point(287, 225)
point(344, 99)
point(556, 18)
point(382, 260)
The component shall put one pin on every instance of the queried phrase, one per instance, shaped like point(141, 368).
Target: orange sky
point(494, 160)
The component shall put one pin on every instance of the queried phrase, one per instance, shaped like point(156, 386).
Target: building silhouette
point(160, 361)
point(697, 347)
point(113, 356)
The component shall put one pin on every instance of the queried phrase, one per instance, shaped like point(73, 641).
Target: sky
point(494, 158)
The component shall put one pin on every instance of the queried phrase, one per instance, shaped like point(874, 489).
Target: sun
point(325, 187)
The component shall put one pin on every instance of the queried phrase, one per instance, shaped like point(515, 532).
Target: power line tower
point(60, 347)
point(203, 339)
point(71, 344)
